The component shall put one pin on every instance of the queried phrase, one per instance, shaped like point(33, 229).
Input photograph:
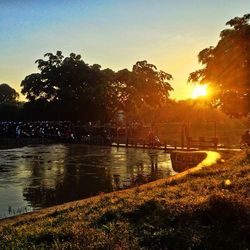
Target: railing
point(143, 143)
point(202, 143)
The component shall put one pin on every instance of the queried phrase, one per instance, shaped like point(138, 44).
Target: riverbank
point(208, 209)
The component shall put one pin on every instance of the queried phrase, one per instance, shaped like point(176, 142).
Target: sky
point(113, 33)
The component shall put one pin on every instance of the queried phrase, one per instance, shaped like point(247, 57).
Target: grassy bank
point(208, 209)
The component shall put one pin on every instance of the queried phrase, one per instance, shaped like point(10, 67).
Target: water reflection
point(40, 176)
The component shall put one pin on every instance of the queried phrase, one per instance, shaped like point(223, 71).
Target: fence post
point(126, 135)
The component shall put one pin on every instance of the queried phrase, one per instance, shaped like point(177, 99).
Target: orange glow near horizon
point(199, 91)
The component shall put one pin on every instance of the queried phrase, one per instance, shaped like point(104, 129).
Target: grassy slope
point(198, 211)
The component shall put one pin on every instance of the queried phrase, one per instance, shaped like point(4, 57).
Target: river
point(40, 176)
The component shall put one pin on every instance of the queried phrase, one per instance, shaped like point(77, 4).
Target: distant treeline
point(190, 111)
point(67, 88)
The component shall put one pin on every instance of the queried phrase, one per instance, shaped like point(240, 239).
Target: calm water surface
point(40, 176)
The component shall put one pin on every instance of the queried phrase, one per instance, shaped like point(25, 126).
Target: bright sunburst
point(199, 91)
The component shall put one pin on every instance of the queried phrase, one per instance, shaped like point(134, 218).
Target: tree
point(7, 94)
point(79, 91)
point(76, 89)
point(9, 106)
point(143, 87)
point(227, 68)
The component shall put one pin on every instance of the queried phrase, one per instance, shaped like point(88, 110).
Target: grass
point(208, 209)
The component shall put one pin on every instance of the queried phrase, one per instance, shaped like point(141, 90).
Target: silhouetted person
point(116, 181)
point(153, 156)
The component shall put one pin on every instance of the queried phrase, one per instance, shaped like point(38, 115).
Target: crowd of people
point(58, 131)
point(38, 129)
point(66, 130)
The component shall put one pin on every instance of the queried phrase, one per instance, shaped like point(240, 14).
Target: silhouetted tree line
point(67, 88)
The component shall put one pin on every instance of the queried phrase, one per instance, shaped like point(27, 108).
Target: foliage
point(7, 94)
point(75, 88)
point(10, 108)
point(227, 68)
point(194, 212)
point(143, 86)
point(10, 112)
point(81, 91)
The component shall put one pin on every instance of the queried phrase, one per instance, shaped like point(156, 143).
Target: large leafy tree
point(226, 68)
point(76, 89)
point(7, 94)
point(143, 87)
point(9, 105)
point(59, 78)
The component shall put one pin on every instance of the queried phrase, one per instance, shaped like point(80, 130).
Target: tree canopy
point(226, 68)
point(81, 91)
point(75, 88)
point(7, 94)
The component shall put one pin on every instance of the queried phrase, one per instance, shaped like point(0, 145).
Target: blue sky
point(113, 34)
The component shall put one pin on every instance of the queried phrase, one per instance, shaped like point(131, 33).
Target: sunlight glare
point(199, 91)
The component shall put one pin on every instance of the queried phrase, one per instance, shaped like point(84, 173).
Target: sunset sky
point(113, 33)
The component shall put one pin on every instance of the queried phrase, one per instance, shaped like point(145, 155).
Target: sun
point(199, 91)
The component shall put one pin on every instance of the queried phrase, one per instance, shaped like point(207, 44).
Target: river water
point(40, 176)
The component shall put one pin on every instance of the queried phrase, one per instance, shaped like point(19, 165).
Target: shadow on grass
point(220, 223)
